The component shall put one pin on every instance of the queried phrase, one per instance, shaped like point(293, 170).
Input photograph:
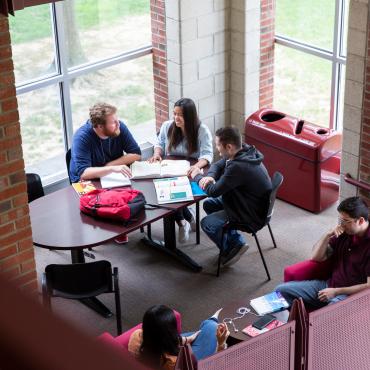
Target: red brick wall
point(364, 174)
point(16, 248)
point(158, 18)
point(267, 53)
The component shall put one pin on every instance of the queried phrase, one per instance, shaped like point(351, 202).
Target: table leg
point(77, 256)
point(169, 244)
point(197, 232)
point(93, 302)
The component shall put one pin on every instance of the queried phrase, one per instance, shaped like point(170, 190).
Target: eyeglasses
point(343, 221)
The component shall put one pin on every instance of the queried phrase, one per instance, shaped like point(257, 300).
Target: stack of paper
point(114, 180)
point(165, 168)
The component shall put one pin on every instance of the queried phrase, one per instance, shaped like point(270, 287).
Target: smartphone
point(263, 321)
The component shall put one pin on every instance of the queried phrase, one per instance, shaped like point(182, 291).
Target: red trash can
point(307, 155)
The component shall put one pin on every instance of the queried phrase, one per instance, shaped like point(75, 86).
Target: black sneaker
point(234, 255)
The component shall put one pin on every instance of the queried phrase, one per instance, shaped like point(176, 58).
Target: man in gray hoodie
point(239, 188)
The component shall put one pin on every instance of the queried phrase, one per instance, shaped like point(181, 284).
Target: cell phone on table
point(263, 321)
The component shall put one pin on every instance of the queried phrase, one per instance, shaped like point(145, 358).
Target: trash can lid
point(289, 134)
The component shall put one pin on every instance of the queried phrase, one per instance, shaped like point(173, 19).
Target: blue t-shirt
point(89, 150)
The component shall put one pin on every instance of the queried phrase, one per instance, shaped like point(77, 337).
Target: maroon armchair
point(122, 340)
point(308, 270)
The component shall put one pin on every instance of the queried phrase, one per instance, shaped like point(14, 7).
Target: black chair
point(68, 161)
point(82, 281)
point(277, 180)
point(34, 187)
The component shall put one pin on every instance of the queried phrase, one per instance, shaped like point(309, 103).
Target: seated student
point(101, 146)
point(186, 136)
point(239, 187)
point(348, 246)
point(157, 343)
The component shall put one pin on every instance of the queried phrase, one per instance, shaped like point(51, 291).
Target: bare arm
point(321, 250)
point(329, 293)
point(97, 172)
point(125, 159)
point(157, 156)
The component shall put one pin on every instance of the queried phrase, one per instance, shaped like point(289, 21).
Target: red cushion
point(123, 339)
point(308, 270)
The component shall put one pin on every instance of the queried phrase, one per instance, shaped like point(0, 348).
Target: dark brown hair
point(355, 207)
point(175, 136)
point(229, 135)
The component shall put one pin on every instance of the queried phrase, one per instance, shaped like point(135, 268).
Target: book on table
point(269, 303)
point(114, 180)
point(83, 187)
point(165, 168)
point(253, 332)
point(173, 189)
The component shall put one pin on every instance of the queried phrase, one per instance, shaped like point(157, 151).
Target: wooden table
point(57, 223)
point(230, 311)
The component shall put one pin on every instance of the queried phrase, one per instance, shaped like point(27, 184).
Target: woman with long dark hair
point(185, 136)
point(157, 343)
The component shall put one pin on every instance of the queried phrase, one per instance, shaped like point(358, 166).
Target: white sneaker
point(193, 223)
point(184, 232)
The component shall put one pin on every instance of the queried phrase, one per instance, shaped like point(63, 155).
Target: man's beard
point(112, 134)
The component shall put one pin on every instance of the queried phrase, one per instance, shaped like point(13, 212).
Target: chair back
point(68, 161)
point(79, 280)
point(34, 187)
point(277, 180)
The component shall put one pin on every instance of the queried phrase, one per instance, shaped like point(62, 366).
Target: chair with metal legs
point(277, 180)
point(82, 281)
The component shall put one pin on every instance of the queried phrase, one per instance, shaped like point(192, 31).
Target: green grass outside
point(35, 22)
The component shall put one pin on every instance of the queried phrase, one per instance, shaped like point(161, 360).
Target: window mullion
point(65, 98)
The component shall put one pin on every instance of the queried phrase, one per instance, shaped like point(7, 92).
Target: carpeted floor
point(148, 277)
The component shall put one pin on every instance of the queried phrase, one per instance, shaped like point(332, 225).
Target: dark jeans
point(213, 222)
point(183, 214)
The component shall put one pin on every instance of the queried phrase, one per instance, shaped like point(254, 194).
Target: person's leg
point(212, 226)
point(307, 289)
point(206, 342)
point(184, 227)
point(211, 205)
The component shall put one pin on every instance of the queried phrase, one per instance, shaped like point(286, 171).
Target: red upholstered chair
point(308, 270)
point(122, 340)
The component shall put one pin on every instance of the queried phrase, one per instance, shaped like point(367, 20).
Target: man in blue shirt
point(102, 145)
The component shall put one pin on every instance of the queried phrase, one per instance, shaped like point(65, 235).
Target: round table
point(230, 311)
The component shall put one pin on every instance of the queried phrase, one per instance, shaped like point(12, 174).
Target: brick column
point(267, 53)
point(158, 19)
point(16, 248)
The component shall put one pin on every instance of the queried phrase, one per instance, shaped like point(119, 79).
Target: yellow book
point(83, 187)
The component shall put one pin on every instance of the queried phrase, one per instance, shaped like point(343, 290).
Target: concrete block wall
point(356, 117)
point(198, 57)
point(244, 59)
point(17, 260)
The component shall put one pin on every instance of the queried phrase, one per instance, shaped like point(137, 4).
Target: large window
point(310, 57)
point(70, 55)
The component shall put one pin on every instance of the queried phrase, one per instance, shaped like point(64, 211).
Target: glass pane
point(42, 136)
point(128, 86)
point(302, 85)
point(343, 50)
point(99, 29)
point(311, 22)
point(32, 43)
point(339, 124)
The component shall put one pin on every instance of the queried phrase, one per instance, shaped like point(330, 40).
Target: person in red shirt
point(348, 247)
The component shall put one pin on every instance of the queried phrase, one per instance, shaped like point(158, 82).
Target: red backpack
point(121, 204)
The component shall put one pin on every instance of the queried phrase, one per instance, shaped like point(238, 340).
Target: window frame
point(63, 75)
point(335, 57)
